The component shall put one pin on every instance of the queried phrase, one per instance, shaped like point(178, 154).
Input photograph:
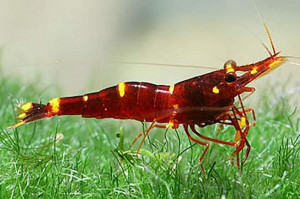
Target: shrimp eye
point(230, 77)
point(229, 64)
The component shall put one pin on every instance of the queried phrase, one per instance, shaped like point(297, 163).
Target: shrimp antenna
point(293, 57)
point(292, 62)
point(270, 38)
point(263, 44)
point(266, 29)
point(267, 49)
point(174, 65)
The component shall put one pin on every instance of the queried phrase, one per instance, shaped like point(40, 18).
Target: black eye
point(229, 64)
point(230, 77)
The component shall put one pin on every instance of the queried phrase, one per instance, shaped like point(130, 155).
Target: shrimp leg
point(198, 142)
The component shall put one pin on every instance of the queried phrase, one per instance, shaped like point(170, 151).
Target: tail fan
point(30, 112)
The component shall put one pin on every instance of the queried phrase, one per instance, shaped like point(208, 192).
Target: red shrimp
point(200, 101)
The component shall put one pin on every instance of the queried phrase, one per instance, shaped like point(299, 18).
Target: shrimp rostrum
point(197, 102)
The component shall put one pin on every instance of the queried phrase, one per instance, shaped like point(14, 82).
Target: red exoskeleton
point(200, 101)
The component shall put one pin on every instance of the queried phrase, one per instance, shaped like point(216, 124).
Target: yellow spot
point(171, 89)
point(26, 106)
point(85, 98)
point(237, 136)
point(228, 65)
point(55, 105)
point(175, 106)
point(276, 63)
point(170, 125)
point(215, 90)
point(243, 122)
point(121, 89)
point(254, 70)
point(21, 116)
point(229, 68)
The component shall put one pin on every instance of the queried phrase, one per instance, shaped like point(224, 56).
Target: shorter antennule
point(270, 38)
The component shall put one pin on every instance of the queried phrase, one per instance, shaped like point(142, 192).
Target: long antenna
point(266, 29)
point(175, 65)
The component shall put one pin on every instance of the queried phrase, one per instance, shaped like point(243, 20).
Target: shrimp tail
point(30, 112)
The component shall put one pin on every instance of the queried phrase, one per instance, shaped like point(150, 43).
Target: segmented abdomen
point(129, 100)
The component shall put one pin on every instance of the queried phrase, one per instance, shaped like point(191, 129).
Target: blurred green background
point(76, 44)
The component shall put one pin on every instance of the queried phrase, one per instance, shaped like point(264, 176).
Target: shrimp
point(196, 102)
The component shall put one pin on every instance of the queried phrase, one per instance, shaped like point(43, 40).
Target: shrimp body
point(199, 101)
point(186, 102)
point(202, 99)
